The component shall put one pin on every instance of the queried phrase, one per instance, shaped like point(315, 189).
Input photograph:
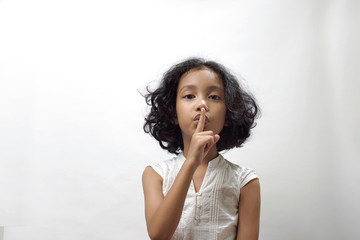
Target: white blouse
point(212, 212)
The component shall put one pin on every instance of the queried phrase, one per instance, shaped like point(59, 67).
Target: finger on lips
point(201, 122)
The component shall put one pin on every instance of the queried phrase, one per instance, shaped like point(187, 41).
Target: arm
point(249, 211)
point(163, 213)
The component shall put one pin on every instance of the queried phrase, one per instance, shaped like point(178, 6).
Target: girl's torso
point(211, 209)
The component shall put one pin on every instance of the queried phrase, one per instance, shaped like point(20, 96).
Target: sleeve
point(158, 168)
point(246, 176)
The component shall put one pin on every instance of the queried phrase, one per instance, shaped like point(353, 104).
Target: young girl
point(197, 111)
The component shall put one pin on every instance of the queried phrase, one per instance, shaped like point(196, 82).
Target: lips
point(197, 118)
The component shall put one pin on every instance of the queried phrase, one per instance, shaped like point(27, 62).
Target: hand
point(201, 141)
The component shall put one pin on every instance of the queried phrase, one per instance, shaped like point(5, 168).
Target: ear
point(175, 120)
point(227, 123)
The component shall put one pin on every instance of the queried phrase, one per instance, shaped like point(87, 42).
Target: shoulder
point(243, 174)
point(164, 167)
point(150, 174)
point(152, 183)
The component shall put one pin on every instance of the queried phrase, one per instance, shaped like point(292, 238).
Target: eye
point(215, 97)
point(189, 96)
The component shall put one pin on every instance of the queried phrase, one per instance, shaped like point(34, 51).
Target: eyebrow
point(209, 88)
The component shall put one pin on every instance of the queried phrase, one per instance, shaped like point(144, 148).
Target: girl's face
point(200, 88)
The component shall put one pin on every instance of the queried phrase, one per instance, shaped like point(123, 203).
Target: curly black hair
point(242, 109)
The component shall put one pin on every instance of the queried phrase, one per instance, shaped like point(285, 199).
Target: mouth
point(197, 118)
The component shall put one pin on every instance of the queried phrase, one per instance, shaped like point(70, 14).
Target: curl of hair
point(242, 109)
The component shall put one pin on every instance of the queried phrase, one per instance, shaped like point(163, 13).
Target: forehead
point(200, 78)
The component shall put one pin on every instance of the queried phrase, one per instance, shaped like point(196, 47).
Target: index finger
point(201, 122)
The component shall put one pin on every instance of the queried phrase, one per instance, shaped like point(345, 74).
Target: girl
point(197, 111)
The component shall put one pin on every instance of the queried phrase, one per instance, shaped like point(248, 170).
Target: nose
point(202, 104)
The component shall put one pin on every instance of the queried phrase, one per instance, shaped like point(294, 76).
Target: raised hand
point(201, 141)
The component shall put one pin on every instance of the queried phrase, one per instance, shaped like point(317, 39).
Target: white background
point(72, 149)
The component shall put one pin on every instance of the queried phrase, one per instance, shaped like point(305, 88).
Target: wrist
point(191, 164)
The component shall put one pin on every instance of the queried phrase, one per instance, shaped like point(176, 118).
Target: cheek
point(177, 116)
point(223, 111)
point(224, 114)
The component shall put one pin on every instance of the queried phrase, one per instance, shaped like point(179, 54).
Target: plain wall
point(72, 148)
